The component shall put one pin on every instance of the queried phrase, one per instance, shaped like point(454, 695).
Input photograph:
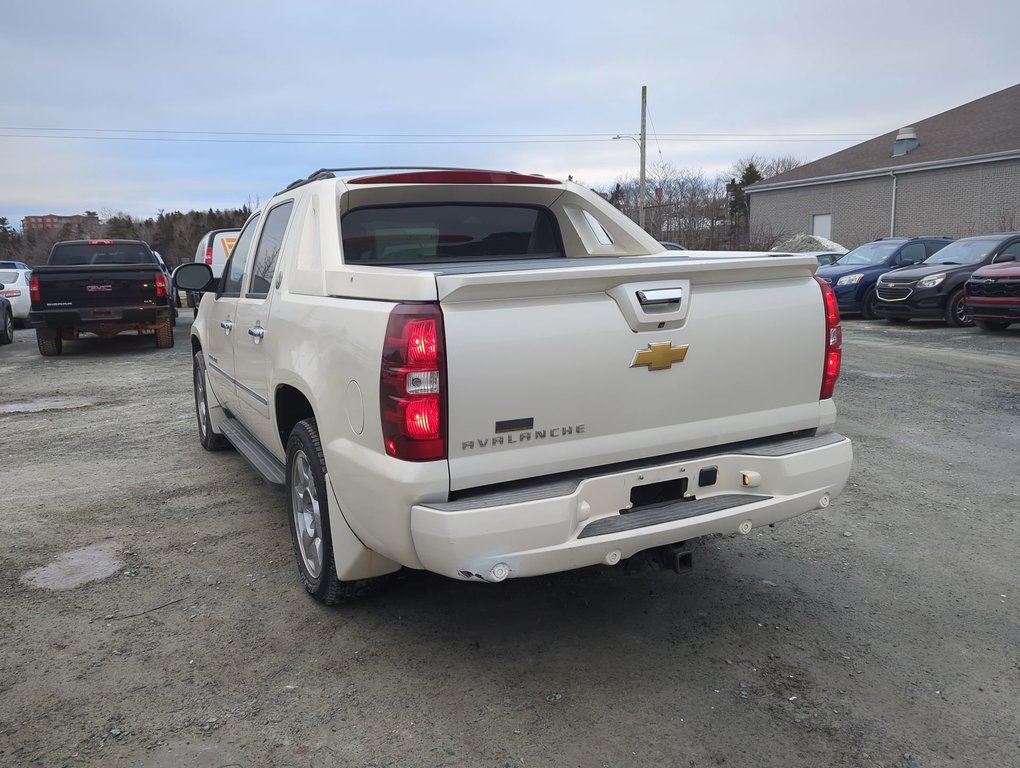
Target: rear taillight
point(208, 254)
point(12, 294)
point(160, 286)
point(412, 399)
point(33, 289)
point(833, 341)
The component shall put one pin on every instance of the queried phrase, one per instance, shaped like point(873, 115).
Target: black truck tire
point(165, 334)
point(49, 341)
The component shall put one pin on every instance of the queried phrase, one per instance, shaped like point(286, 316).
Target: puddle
point(46, 404)
point(72, 569)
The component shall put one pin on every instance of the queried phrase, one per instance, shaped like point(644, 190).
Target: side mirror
point(907, 263)
point(1004, 257)
point(194, 277)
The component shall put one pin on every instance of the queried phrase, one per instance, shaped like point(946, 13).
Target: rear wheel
point(869, 304)
point(209, 439)
point(956, 311)
point(992, 325)
point(309, 512)
point(49, 341)
point(7, 328)
point(165, 334)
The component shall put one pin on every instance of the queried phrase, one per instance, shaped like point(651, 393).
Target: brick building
point(86, 224)
point(954, 174)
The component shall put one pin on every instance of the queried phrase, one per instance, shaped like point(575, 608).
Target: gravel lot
point(881, 632)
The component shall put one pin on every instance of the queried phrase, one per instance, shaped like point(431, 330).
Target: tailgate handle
point(661, 296)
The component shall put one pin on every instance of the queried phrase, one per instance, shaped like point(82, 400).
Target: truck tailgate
point(566, 367)
point(108, 285)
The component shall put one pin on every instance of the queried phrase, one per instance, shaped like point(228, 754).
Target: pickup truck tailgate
point(88, 287)
point(565, 367)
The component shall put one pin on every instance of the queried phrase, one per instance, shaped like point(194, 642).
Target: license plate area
point(657, 494)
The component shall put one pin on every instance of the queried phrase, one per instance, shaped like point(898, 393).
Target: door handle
point(257, 332)
point(662, 296)
point(226, 325)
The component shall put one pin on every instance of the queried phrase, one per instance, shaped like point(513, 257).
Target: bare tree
point(767, 166)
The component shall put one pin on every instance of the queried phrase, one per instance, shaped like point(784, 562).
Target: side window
point(914, 252)
point(1013, 249)
point(934, 246)
point(268, 252)
point(233, 272)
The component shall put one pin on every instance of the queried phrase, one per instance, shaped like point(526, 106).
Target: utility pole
point(641, 190)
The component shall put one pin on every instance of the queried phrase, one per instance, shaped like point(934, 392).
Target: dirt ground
point(884, 631)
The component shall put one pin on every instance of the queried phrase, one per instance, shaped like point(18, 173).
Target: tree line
point(682, 205)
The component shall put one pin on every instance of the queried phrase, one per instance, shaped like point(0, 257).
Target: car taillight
point(833, 341)
point(160, 286)
point(208, 254)
point(10, 294)
point(412, 398)
point(33, 289)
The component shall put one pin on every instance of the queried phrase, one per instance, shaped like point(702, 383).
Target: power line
point(37, 132)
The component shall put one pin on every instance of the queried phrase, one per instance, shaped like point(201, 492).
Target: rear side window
point(76, 254)
point(268, 252)
point(414, 234)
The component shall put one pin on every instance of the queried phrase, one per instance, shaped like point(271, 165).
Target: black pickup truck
point(102, 287)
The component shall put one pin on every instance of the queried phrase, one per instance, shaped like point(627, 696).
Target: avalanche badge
point(659, 356)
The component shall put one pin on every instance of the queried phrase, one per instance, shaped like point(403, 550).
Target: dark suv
point(854, 274)
point(934, 289)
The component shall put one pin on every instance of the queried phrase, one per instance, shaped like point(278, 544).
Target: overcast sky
point(138, 106)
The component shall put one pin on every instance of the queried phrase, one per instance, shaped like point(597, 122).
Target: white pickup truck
point(492, 375)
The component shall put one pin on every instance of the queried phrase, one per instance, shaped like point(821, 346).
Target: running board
point(261, 460)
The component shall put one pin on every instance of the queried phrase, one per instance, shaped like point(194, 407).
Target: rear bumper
point(575, 522)
point(99, 317)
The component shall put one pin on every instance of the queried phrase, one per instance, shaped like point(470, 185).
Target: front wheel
point(308, 512)
point(956, 311)
point(869, 304)
point(209, 439)
point(7, 329)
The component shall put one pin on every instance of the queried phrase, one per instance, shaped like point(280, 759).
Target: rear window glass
point(393, 235)
point(9, 277)
point(100, 253)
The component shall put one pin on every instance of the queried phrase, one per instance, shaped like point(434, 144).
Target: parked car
point(992, 294)
point(6, 322)
point(14, 288)
point(855, 274)
point(14, 265)
point(934, 289)
point(213, 249)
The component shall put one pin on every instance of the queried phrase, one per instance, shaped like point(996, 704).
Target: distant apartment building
point(34, 225)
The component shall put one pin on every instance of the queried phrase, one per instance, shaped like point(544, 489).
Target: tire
point(869, 304)
point(308, 512)
point(49, 341)
point(956, 311)
point(7, 329)
point(209, 439)
point(992, 325)
point(898, 320)
point(165, 334)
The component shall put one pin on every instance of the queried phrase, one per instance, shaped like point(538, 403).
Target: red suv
point(992, 295)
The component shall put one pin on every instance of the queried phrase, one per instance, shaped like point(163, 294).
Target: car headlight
point(850, 279)
point(931, 281)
